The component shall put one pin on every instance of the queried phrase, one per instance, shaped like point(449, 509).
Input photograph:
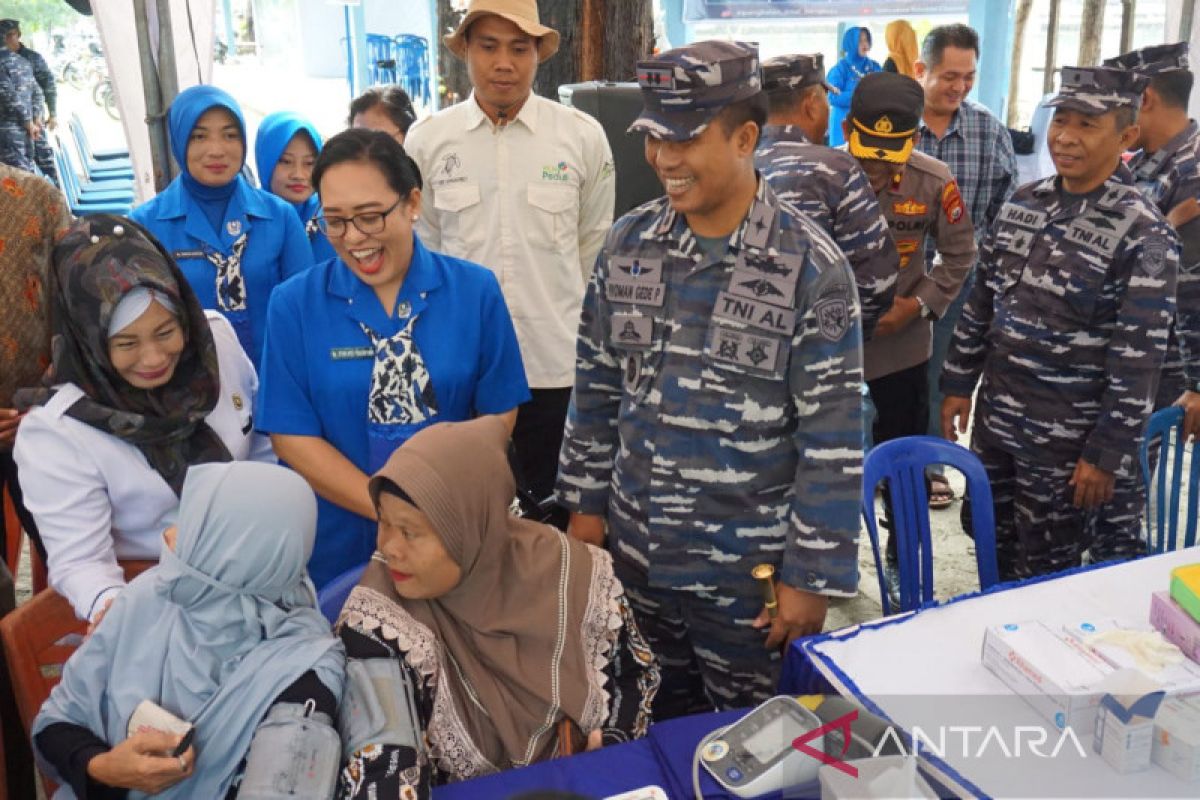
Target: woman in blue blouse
point(364, 350)
point(285, 151)
point(234, 243)
point(845, 75)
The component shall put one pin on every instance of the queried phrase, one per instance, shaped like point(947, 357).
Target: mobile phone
point(185, 744)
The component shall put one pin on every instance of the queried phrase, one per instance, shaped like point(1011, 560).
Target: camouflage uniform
point(1166, 177)
point(1067, 326)
point(43, 155)
point(716, 417)
point(20, 99)
point(830, 187)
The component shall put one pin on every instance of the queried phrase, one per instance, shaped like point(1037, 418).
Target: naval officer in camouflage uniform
point(826, 184)
point(1065, 330)
point(43, 155)
point(1167, 170)
point(20, 101)
point(921, 203)
point(716, 418)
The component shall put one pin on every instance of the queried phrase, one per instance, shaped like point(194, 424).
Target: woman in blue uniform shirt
point(234, 243)
point(285, 150)
point(365, 350)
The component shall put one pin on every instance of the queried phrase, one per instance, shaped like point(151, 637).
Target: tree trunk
point(1051, 62)
point(453, 83)
point(1091, 29)
point(599, 40)
point(1128, 13)
point(1014, 73)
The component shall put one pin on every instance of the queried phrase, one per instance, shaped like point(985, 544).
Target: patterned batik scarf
point(401, 389)
point(231, 284)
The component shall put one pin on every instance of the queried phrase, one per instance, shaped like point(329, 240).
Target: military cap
point(7, 25)
point(684, 89)
point(884, 114)
point(794, 72)
point(1098, 90)
point(1151, 61)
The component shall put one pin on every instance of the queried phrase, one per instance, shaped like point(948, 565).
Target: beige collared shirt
point(530, 200)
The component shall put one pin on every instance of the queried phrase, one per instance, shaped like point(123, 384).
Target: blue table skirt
point(663, 758)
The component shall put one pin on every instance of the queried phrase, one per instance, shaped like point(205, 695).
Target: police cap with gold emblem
point(884, 114)
point(684, 89)
point(1157, 60)
point(1098, 90)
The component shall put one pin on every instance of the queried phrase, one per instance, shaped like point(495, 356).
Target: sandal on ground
point(941, 495)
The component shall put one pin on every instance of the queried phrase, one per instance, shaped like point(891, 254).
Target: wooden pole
point(1091, 28)
point(591, 49)
point(1014, 73)
point(1128, 10)
point(1051, 62)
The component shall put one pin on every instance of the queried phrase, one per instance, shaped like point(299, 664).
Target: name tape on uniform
point(351, 353)
point(1024, 217)
point(626, 291)
point(755, 313)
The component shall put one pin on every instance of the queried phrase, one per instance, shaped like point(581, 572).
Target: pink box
point(1175, 624)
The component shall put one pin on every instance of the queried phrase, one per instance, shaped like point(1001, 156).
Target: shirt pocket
point(461, 217)
point(553, 217)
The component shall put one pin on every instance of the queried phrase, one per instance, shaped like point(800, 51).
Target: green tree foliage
point(39, 15)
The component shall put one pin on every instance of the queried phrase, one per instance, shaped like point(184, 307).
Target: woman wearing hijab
point(902, 48)
point(285, 150)
point(515, 642)
point(368, 348)
point(222, 634)
point(143, 385)
point(844, 77)
point(234, 243)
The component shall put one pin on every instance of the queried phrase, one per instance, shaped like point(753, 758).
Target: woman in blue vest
point(285, 150)
point(234, 243)
point(364, 350)
point(845, 75)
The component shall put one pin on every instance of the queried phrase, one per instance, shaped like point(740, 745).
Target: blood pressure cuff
point(295, 753)
point(378, 706)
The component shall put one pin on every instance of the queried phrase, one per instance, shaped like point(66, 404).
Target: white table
point(924, 670)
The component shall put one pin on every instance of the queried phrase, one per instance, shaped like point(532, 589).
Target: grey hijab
point(217, 630)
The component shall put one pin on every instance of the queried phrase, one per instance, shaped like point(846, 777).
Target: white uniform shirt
point(96, 499)
point(532, 201)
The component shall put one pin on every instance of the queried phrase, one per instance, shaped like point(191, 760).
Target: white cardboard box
point(1177, 737)
point(1053, 672)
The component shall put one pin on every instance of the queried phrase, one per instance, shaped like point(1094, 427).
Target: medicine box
point(1177, 737)
point(1175, 624)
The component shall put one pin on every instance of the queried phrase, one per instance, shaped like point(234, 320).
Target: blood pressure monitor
point(755, 755)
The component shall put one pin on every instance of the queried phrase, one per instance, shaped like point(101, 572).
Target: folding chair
point(902, 463)
point(1164, 432)
point(38, 638)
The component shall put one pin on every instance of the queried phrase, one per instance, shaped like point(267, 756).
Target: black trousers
point(901, 409)
point(537, 440)
point(18, 759)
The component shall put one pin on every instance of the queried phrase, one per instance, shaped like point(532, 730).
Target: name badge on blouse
point(179, 254)
point(351, 353)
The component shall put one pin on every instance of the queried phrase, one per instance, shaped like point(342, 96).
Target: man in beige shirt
point(524, 186)
point(919, 198)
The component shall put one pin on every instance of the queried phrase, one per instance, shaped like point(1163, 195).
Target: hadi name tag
point(351, 353)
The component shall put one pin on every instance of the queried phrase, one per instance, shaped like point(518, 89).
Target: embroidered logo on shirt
point(451, 163)
point(234, 226)
point(557, 173)
point(910, 208)
point(952, 203)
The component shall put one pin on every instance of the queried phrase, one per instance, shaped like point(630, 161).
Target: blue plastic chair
point(381, 59)
point(95, 203)
point(902, 462)
point(333, 595)
point(1164, 431)
point(104, 154)
point(412, 57)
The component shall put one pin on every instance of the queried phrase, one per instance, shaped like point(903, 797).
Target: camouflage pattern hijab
point(98, 261)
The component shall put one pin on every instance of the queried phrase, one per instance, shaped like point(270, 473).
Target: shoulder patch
point(833, 316)
point(1154, 255)
point(952, 203)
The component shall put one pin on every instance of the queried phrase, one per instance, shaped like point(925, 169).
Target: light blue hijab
point(216, 631)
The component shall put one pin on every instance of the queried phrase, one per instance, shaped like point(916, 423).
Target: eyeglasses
point(368, 223)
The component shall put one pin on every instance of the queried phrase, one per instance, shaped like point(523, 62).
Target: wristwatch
point(926, 311)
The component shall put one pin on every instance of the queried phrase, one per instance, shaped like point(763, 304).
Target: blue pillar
point(993, 19)
point(677, 33)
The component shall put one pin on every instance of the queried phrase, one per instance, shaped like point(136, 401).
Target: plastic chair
point(412, 57)
point(333, 595)
point(99, 202)
point(902, 462)
point(80, 134)
point(38, 638)
point(1164, 431)
point(381, 60)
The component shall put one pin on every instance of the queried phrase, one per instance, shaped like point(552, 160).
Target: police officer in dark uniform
point(826, 184)
point(43, 156)
point(715, 423)
point(1065, 330)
